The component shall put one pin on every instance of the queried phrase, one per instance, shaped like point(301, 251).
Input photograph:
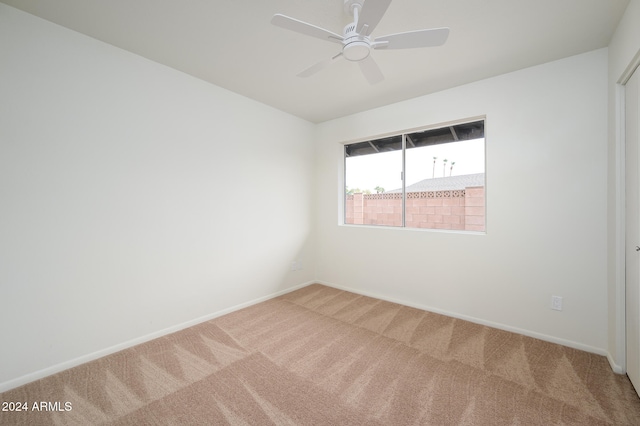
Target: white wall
point(624, 53)
point(133, 198)
point(546, 151)
point(127, 196)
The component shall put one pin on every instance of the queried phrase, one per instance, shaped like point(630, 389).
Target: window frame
point(403, 134)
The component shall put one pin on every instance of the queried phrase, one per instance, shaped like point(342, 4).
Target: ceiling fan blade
point(319, 66)
point(371, 71)
point(420, 38)
point(305, 28)
point(371, 13)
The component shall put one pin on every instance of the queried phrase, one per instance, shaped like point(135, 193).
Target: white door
point(632, 297)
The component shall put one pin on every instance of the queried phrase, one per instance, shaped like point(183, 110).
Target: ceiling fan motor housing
point(355, 47)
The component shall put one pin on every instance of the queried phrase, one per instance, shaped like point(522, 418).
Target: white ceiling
point(232, 44)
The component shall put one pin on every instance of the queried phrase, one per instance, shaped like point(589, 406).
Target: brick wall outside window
point(455, 209)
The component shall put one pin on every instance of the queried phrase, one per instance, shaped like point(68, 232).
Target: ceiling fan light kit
point(355, 41)
point(355, 46)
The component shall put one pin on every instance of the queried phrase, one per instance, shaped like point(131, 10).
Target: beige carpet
point(324, 356)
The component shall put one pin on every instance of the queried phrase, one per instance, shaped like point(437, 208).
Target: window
point(433, 179)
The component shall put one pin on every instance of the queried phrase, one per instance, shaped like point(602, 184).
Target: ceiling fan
point(356, 41)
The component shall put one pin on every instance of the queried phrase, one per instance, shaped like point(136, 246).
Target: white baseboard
point(614, 366)
point(27, 378)
point(11, 384)
point(500, 326)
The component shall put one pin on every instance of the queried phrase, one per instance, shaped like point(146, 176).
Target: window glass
point(371, 169)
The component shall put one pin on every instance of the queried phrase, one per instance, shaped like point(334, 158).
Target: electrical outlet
point(296, 265)
point(556, 303)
